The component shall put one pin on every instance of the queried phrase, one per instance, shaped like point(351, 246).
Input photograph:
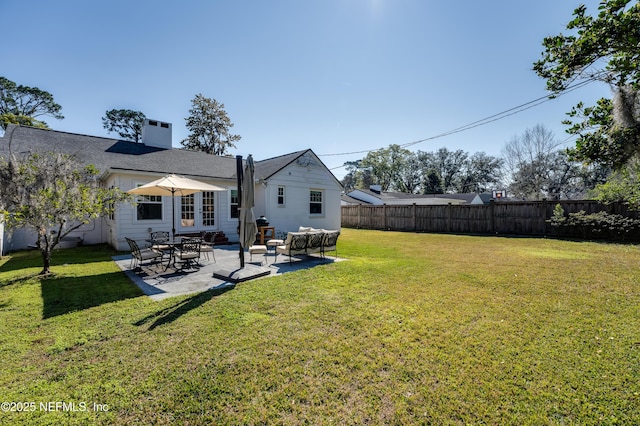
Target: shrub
point(594, 225)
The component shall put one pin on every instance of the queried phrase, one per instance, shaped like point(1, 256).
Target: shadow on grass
point(62, 295)
point(17, 280)
point(172, 313)
point(79, 255)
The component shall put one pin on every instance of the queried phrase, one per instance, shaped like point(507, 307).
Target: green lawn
point(412, 329)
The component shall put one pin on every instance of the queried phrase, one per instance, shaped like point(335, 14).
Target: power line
point(495, 117)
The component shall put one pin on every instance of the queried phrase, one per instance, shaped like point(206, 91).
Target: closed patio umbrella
point(172, 185)
point(248, 227)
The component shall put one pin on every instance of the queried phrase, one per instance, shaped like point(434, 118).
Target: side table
point(274, 243)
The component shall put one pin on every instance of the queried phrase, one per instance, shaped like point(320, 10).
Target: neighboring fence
point(504, 217)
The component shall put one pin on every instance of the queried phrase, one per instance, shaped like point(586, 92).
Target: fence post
point(358, 217)
point(544, 217)
point(492, 212)
point(384, 216)
point(449, 216)
point(413, 217)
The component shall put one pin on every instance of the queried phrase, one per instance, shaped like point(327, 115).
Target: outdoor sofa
point(308, 241)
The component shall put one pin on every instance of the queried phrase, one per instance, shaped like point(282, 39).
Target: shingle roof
point(350, 200)
point(264, 169)
point(113, 154)
point(403, 198)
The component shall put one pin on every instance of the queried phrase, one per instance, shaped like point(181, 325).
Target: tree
point(209, 126)
point(481, 173)
point(53, 195)
point(22, 104)
point(602, 48)
point(442, 169)
point(623, 185)
point(21, 120)
point(357, 176)
point(387, 165)
point(409, 178)
point(127, 123)
point(398, 169)
point(538, 168)
point(529, 159)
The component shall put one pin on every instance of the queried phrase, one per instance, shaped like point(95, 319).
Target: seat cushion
point(257, 249)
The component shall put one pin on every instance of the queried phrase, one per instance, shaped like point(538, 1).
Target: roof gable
point(266, 169)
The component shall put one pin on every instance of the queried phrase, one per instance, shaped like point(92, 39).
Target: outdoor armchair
point(159, 240)
point(208, 241)
point(330, 242)
point(296, 243)
point(140, 255)
point(188, 253)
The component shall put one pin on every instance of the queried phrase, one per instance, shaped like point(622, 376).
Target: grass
point(413, 329)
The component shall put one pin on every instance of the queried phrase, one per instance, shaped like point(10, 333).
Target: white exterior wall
point(126, 223)
point(298, 181)
point(20, 239)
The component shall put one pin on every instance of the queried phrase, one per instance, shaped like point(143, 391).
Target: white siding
point(298, 181)
point(126, 223)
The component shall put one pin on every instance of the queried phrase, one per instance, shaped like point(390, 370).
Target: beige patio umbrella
point(172, 185)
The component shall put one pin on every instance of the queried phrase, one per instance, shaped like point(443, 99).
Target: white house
point(292, 190)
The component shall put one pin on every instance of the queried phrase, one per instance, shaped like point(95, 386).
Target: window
point(315, 202)
point(149, 207)
point(280, 195)
point(208, 209)
point(233, 204)
point(188, 210)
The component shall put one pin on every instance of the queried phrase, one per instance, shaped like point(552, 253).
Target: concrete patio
point(159, 284)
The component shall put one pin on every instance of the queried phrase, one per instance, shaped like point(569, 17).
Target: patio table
point(172, 244)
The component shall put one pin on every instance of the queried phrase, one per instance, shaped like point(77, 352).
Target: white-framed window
point(281, 198)
point(149, 207)
point(188, 216)
point(315, 201)
point(208, 208)
point(233, 204)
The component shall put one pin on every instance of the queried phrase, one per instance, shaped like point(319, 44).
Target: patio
point(159, 284)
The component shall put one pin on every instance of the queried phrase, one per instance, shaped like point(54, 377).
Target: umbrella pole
point(173, 213)
point(239, 192)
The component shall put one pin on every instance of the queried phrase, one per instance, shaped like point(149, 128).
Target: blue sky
point(336, 76)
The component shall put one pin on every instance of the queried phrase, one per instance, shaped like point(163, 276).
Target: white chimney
point(156, 133)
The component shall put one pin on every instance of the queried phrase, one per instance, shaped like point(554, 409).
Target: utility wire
point(481, 122)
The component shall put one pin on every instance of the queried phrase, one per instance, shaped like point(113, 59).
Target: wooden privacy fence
point(504, 217)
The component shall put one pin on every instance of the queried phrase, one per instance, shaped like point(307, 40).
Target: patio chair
point(329, 243)
point(208, 241)
point(188, 253)
point(160, 242)
point(140, 255)
point(295, 243)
